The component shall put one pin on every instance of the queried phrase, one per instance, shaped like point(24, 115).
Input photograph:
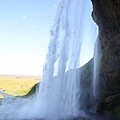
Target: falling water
point(96, 82)
point(58, 97)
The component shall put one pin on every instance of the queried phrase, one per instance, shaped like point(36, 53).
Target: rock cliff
point(106, 14)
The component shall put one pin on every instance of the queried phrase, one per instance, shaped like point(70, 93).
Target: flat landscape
point(17, 85)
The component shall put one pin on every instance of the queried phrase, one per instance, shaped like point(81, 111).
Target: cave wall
point(106, 14)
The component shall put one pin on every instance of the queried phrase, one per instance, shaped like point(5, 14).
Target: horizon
point(24, 35)
point(15, 75)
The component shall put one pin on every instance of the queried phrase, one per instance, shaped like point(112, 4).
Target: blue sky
point(24, 35)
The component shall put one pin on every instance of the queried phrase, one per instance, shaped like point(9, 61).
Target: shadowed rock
point(106, 13)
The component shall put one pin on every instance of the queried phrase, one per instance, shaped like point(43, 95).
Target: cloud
point(34, 27)
point(24, 17)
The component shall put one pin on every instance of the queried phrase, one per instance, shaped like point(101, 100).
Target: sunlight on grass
point(1, 96)
point(17, 86)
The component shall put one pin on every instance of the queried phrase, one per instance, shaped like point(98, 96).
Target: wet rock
point(112, 104)
point(106, 14)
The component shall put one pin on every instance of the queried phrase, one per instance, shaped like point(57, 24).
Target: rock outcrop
point(106, 14)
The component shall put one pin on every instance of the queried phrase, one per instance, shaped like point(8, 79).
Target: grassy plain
point(17, 85)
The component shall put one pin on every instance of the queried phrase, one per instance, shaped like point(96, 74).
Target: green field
point(17, 86)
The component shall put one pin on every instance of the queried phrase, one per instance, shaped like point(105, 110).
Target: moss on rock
point(112, 104)
point(32, 91)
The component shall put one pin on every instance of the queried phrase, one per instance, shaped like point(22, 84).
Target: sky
point(24, 35)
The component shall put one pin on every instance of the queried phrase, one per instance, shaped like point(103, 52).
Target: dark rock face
point(106, 13)
point(112, 104)
point(110, 62)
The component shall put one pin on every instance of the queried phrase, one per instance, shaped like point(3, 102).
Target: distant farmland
point(17, 85)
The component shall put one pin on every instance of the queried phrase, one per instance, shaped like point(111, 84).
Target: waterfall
point(96, 82)
point(71, 45)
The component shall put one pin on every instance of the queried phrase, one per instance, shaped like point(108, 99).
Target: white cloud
point(34, 27)
point(24, 17)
